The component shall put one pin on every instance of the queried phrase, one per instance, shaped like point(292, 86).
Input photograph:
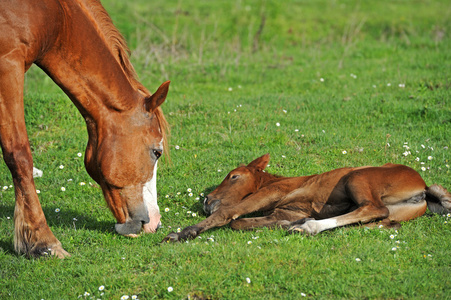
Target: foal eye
point(157, 153)
point(234, 176)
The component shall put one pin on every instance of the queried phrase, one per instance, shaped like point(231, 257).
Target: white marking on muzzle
point(150, 201)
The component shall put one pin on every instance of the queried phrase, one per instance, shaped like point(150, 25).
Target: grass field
point(318, 85)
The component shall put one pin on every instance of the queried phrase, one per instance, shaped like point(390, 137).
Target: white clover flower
point(170, 289)
point(388, 84)
point(430, 157)
point(358, 259)
point(406, 153)
point(344, 152)
point(219, 170)
point(101, 288)
point(230, 89)
point(166, 209)
point(296, 130)
point(321, 79)
point(177, 147)
point(63, 189)
point(248, 280)
point(277, 124)
point(402, 85)
point(57, 210)
point(353, 76)
point(303, 295)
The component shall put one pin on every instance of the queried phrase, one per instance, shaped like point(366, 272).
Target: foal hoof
point(296, 229)
point(171, 238)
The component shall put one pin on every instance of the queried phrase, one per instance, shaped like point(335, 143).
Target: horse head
point(122, 156)
point(237, 185)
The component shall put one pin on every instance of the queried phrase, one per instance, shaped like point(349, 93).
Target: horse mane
point(117, 45)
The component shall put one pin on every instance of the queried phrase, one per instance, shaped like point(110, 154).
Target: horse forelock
point(117, 45)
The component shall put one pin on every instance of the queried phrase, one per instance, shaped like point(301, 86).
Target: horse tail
point(438, 199)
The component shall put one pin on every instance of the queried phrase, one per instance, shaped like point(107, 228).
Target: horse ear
point(260, 163)
point(158, 97)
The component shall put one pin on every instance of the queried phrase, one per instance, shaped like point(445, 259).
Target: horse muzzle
point(133, 226)
point(210, 206)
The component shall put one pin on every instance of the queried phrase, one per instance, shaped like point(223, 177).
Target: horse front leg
point(32, 235)
point(279, 218)
point(263, 200)
point(217, 219)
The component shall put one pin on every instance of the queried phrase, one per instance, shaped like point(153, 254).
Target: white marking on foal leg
point(313, 227)
point(150, 201)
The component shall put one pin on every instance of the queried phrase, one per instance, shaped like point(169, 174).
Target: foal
point(311, 204)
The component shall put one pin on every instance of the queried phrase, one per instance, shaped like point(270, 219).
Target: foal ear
point(260, 163)
point(158, 97)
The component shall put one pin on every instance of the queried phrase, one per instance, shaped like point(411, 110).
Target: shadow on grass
point(63, 220)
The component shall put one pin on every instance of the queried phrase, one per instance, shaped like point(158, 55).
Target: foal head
point(122, 156)
point(237, 185)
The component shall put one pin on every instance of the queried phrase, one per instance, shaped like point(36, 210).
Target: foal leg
point(279, 218)
point(32, 235)
point(369, 208)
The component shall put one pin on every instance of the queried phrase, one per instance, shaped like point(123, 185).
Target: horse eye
point(235, 176)
point(157, 153)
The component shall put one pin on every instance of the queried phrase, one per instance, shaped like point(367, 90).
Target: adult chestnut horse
point(76, 44)
point(311, 204)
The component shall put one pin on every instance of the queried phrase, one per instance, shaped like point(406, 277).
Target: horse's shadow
point(60, 219)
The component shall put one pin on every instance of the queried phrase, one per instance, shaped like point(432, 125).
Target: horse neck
point(83, 64)
point(267, 178)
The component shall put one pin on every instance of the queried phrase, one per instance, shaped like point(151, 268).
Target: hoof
point(51, 251)
point(59, 252)
point(171, 238)
point(296, 229)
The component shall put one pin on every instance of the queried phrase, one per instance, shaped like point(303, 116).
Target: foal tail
point(438, 199)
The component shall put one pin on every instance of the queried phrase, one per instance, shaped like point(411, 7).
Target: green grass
point(331, 70)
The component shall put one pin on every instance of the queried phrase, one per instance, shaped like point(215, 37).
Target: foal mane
point(117, 45)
